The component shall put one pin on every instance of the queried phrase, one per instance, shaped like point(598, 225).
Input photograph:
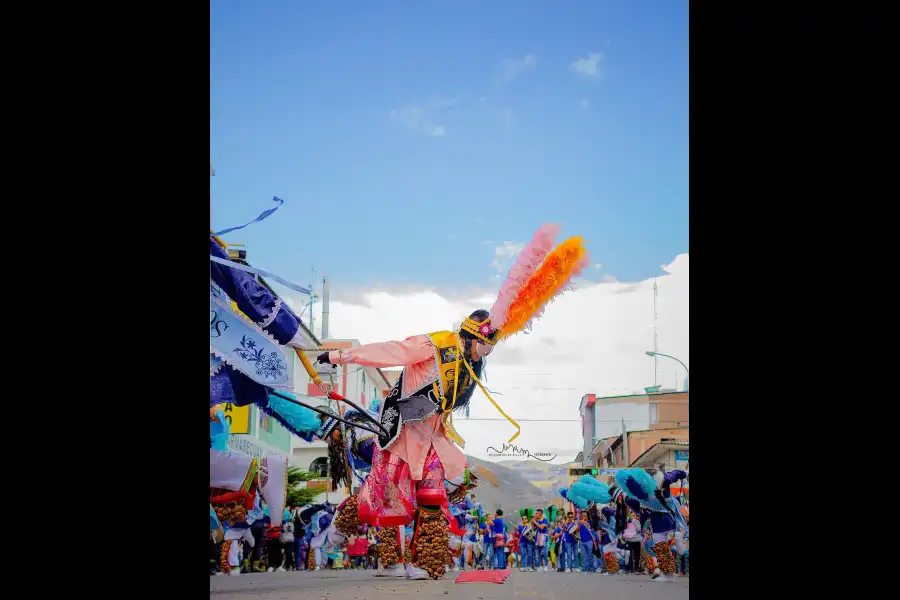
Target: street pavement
point(363, 585)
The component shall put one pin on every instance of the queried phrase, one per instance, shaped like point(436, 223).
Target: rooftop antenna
point(655, 337)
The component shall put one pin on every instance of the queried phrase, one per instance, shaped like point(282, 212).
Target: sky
point(419, 145)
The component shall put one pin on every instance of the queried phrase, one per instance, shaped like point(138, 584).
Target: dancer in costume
point(653, 494)
point(440, 372)
point(322, 537)
point(609, 542)
point(234, 482)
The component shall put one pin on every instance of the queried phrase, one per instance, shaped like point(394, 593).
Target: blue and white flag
point(246, 347)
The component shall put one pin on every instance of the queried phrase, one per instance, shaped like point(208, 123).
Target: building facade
point(606, 418)
point(625, 451)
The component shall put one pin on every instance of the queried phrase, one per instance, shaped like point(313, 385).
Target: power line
point(562, 420)
point(527, 420)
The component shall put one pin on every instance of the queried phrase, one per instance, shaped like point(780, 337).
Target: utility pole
point(325, 310)
point(312, 299)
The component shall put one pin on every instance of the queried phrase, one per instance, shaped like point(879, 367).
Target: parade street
point(359, 585)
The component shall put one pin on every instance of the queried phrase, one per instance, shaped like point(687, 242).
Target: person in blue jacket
point(556, 538)
point(499, 528)
point(586, 542)
point(487, 544)
point(541, 552)
point(568, 551)
point(525, 547)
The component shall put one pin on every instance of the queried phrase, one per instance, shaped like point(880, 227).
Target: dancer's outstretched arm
point(410, 351)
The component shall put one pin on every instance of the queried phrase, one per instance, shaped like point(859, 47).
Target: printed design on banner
point(246, 347)
point(266, 365)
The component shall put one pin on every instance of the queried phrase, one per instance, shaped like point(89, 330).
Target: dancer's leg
point(390, 553)
point(665, 560)
point(431, 539)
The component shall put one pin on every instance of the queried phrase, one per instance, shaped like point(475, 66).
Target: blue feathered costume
point(585, 492)
point(643, 493)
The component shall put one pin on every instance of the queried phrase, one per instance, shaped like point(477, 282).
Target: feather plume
point(296, 419)
point(559, 267)
point(588, 479)
point(591, 493)
point(637, 483)
point(526, 264)
point(573, 497)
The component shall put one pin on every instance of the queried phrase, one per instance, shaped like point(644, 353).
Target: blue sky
point(408, 139)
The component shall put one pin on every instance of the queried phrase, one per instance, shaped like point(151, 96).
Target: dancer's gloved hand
point(323, 359)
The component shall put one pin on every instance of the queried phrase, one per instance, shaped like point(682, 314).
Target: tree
point(297, 494)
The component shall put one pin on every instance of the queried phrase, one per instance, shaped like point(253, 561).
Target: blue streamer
point(362, 480)
point(255, 271)
point(265, 214)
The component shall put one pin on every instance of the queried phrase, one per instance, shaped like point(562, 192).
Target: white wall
point(303, 456)
point(608, 417)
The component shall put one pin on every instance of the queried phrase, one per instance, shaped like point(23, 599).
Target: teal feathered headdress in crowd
point(591, 490)
point(585, 492)
point(638, 484)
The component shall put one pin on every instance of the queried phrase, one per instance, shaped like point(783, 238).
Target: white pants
point(240, 534)
point(237, 537)
point(228, 470)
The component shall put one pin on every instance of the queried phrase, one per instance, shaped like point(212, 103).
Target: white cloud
point(607, 278)
point(505, 254)
point(421, 117)
point(511, 68)
point(591, 340)
point(587, 67)
point(509, 249)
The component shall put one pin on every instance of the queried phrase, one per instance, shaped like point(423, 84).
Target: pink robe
point(422, 455)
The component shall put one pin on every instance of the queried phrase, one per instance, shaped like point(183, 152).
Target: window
point(319, 467)
point(265, 422)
